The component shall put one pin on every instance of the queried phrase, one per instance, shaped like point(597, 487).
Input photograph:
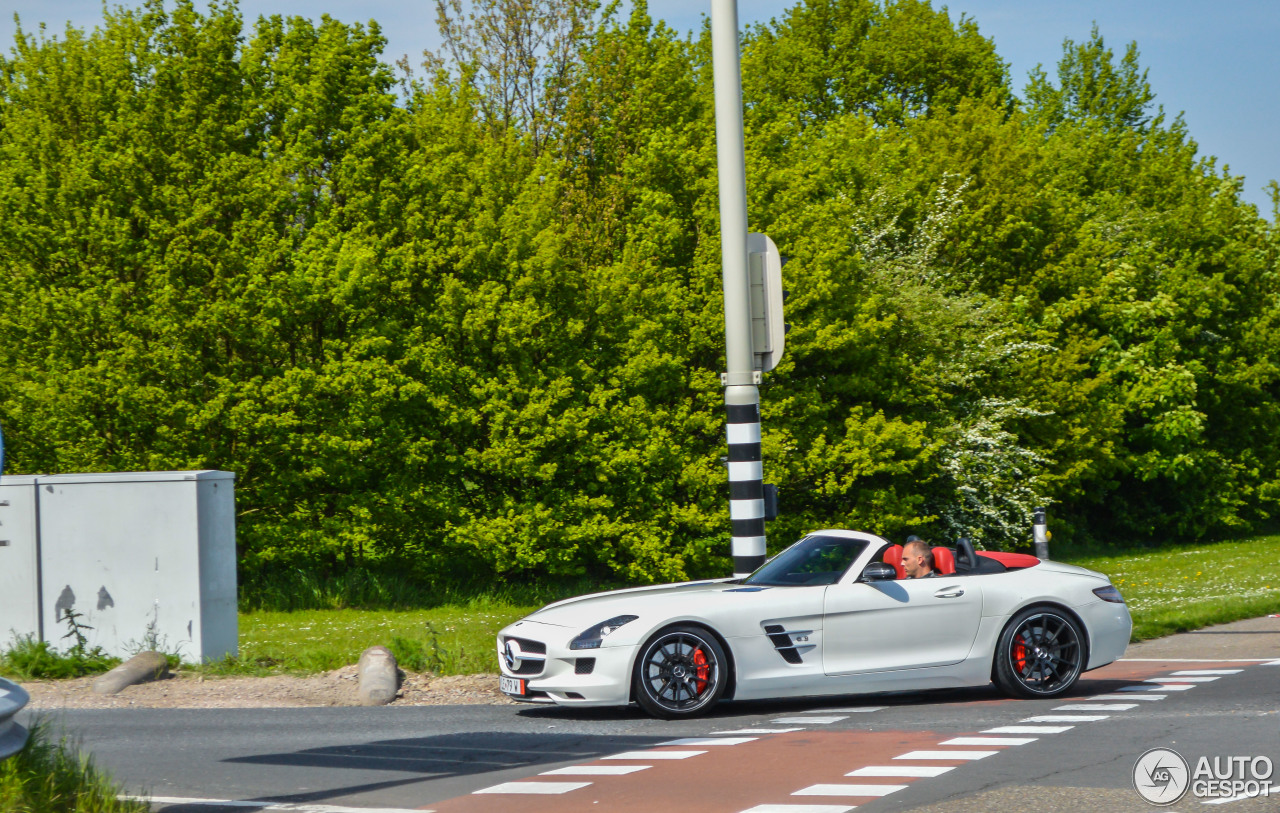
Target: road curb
point(379, 677)
point(140, 668)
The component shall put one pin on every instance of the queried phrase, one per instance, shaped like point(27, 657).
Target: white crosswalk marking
point(1208, 672)
point(643, 755)
point(1158, 687)
point(854, 710)
point(935, 755)
point(1172, 679)
point(596, 770)
point(1096, 707)
point(901, 770)
point(813, 720)
point(532, 788)
point(848, 790)
point(989, 741)
point(1065, 718)
point(1144, 696)
point(757, 731)
point(801, 809)
point(710, 741)
point(1029, 729)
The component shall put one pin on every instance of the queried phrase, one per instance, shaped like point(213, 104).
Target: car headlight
point(594, 637)
point(1109, 593)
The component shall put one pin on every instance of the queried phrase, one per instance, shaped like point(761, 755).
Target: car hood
point(596, 607)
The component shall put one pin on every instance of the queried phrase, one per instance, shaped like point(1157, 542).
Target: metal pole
point(741, 397)
point(1040, 530)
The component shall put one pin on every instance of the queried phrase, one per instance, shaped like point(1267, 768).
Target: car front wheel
point(681, 672)
point(1040, 654)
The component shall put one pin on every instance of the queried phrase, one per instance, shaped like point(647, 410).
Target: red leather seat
point(943, 561)
point(893, 556)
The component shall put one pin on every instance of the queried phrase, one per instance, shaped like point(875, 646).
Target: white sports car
point(830, 615)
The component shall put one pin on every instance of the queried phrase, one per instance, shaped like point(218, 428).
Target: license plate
point(511, 685)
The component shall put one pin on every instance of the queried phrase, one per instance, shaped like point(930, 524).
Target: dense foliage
point(470, 322)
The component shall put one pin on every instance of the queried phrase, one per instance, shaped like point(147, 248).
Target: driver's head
point(917, 558)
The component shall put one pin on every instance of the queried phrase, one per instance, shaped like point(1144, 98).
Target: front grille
point(584, 666)
point(534, 647)
point(532, 660)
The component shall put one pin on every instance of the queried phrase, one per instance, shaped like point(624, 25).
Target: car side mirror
point(878, 572)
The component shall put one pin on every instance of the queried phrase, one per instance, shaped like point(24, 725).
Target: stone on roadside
point(143, 667)
point(379, 677)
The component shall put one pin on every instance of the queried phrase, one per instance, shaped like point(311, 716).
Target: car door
point(905, 624)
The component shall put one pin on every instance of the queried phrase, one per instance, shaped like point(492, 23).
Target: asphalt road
point(486, 758)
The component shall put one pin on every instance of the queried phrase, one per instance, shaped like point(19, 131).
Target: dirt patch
point(191, 691)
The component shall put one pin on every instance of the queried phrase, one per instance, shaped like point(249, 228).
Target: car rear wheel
point(681, 672)
point(1040, 654)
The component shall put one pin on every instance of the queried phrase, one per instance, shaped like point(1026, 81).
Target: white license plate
point(511, 685)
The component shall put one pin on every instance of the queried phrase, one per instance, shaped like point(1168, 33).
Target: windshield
point(812, 560)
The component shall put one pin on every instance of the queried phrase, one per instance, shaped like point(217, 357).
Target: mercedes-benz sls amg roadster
point(833, 614)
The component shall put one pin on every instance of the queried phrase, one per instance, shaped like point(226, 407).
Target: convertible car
point(833, 614)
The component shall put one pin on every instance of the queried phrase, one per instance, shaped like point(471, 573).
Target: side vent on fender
point(784, 640)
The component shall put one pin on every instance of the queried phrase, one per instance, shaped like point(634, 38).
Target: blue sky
point(1217, 63)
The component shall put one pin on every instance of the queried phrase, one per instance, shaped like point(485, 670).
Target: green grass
point(49, 776)
point(1182, 588)
point(449, 640)
point(29, 659)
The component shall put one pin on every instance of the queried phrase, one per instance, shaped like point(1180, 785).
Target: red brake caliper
point(703, 668)
point(1020, 654)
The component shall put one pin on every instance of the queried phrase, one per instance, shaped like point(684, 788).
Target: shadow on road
point(456, 754)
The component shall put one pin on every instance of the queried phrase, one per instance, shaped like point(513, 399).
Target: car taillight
point(1109, 593)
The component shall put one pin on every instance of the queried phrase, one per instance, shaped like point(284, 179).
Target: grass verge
point(1182, 588)
point(454, 639)
point(49, 776)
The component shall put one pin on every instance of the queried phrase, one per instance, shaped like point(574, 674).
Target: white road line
point(643, 755)
point(1029, 729)
point(1096, 707)
point(855, 710)
point(1172, 679)
point(532, 788)
point(849, 790)
point(297, 808)
point(1065, 718)
point(1129, 697)
point(901, 770)
point(1198, 660)
point(1158, 687)
point(936, 755)
point(1272, 663)
point(1208, 672)
point(596, 770)
point(810, 720)
point(989, 741)
point(757, 731)
point(710, 741)
point(801, 809)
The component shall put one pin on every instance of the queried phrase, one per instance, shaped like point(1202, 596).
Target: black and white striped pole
point(1040, 533)
point(752, 300)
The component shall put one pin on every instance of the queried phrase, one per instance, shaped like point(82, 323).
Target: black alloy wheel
point(1040, 654)
point(681, 672)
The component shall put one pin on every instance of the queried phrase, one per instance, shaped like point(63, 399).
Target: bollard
point(1041, 530)
point(379, 677)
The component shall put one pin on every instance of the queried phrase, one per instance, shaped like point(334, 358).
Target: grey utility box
point(146, 559)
